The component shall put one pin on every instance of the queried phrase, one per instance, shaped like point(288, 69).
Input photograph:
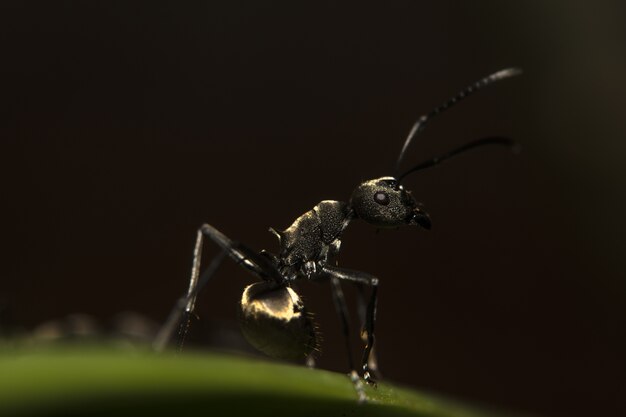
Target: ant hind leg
point(180, 316)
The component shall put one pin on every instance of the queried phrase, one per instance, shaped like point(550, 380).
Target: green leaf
point(100, 382)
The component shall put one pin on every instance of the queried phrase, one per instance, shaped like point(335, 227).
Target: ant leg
point(370, 314)
point(370, 320)
point(181, 313)
point(180, 316)
point(342, 310)
point(259, 265)
point(372, 362)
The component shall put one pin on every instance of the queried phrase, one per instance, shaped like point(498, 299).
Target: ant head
point(383, 202)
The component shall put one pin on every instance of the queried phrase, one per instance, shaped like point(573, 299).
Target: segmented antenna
point(421, 122)
point(471, 145)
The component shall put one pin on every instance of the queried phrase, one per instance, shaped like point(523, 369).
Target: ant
point(271, 314)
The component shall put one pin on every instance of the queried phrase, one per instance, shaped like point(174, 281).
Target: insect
point(272, 315)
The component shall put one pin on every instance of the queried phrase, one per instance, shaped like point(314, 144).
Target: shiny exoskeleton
point(271, 314)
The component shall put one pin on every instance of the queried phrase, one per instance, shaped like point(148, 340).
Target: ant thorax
point(315, 235)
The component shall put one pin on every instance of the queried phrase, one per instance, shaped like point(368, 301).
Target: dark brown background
point(125, 126)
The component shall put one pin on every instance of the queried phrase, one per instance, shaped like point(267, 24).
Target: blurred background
point(126, 125)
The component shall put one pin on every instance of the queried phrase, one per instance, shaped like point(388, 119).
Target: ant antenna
point(421, 122)
point(471, 145)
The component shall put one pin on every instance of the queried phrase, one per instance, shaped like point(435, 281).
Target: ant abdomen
point(273, 320)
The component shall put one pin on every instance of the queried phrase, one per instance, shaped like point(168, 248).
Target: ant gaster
point(271, 314)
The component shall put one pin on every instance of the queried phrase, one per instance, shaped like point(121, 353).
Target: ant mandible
point(271, 314)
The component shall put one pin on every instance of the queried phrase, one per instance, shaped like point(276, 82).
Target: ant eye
point(381, 198)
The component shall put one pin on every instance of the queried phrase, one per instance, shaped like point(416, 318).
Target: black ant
point(272, 316)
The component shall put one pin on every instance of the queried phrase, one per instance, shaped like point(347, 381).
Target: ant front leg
point(342, 310)
point(362, 313)
point(180, 315)
point(370, 314)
